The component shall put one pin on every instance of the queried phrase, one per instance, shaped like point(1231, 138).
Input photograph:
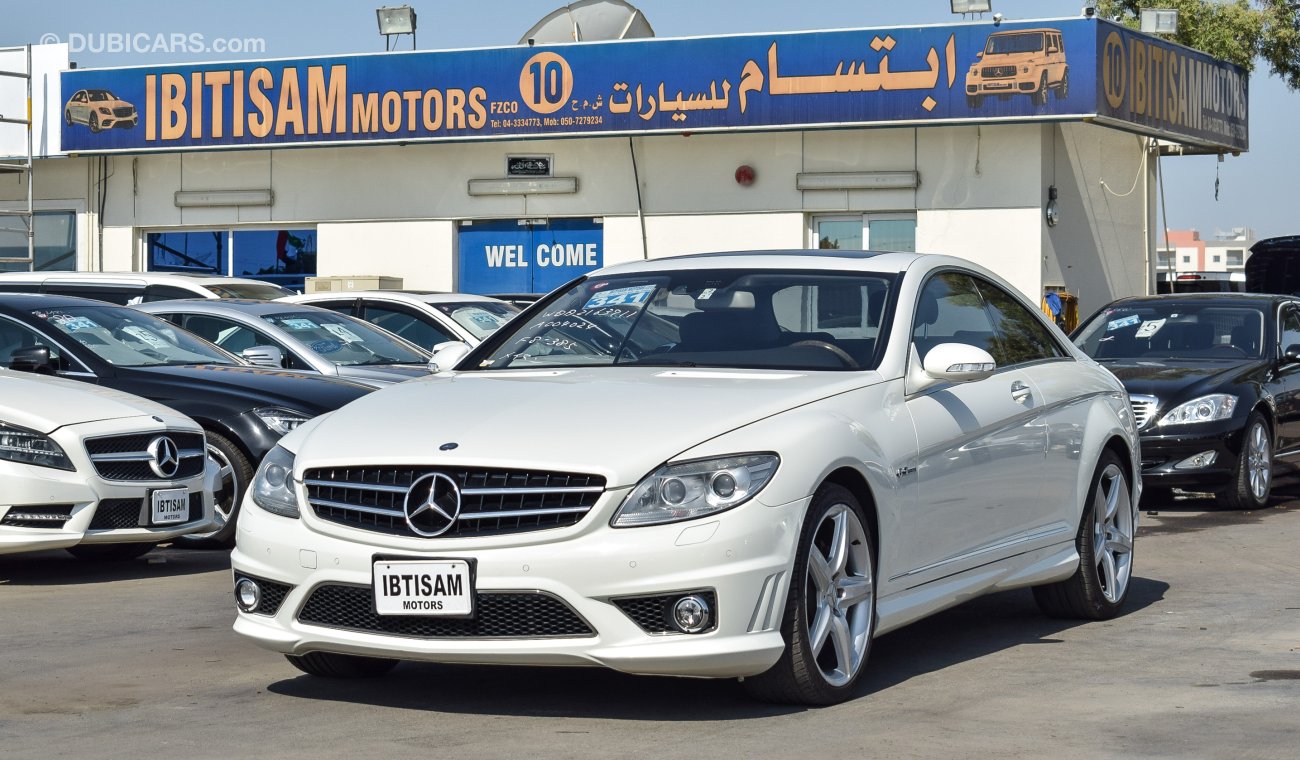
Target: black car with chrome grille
point(1214, 382)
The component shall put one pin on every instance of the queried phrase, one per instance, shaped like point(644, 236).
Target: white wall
point(415, 251)
point(47, 97)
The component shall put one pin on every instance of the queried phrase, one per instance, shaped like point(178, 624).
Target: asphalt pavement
point(138, 660)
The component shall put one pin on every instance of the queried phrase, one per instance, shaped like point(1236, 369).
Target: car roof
point(797, 258)
point(136, 277)
point(216, 306)
point(1253, 299)
point(400, 295)
point(28, 301)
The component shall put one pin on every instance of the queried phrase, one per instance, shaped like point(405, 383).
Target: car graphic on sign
point(99, 110)
point(1028, 61)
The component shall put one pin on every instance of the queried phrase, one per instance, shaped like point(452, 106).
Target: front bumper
point(743, 555)
point(32, 491)
point(1160, 453)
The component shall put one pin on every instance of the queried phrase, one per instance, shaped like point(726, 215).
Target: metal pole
point(31, 171)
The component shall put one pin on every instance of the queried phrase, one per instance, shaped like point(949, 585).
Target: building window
point(284, 257)
point(1164, 260)
point(1217, 259)
point(1187, 259)
point(871, 232)
point(1236, 257)
point(55, 244)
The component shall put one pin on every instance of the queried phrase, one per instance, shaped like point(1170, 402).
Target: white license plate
point(427, 587)
point(170, 505)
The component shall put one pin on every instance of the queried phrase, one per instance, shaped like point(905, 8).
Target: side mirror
point(979, 54)
point(1290, 356)
point(447, 355)
point(958, 363)
point(264, 356)
point(32, 359)
point(1053, 50)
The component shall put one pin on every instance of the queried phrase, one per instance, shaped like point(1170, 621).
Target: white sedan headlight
point(1216, 406)
point(688, 490)
point(18, 444)
point(272, 487)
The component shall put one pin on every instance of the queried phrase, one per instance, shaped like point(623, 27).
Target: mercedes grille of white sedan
point(726, 465)
point(101, 473)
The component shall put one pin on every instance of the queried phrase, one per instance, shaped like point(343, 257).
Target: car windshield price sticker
point(1149, 328)
point(431, 588)
point(636, 295)
point(1121, 323)
point(170, 505)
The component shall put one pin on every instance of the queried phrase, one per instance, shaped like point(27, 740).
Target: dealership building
point(1029, 147)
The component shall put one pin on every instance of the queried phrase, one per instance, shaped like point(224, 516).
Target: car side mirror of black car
point(1291, 355)
point(32, 359)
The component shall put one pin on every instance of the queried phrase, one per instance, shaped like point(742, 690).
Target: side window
point(118, 294)
point(14, 336)
point(226, 333)
point(421, 332)
point(1290, 327)
point(167, 293)
point(951, 310)
point(1020, 336)
point(340, 306)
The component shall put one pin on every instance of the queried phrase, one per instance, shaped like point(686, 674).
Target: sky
point(1256, 189)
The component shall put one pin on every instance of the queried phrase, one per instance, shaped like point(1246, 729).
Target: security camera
point(1089, 10)
point(997, 19)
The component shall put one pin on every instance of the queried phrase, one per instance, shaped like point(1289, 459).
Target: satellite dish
point(588, 21)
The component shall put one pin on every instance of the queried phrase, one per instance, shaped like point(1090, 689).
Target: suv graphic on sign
point(1029, 61)
point(99, 110)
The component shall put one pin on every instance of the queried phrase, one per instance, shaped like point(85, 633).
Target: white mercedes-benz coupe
point(724, 465)
point(101, 473)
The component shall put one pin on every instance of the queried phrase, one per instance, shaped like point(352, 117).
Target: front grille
point(513, 614)
point(127, 457)
point(51, 516)
point(998, 72)
point(653, 613)
point(115, 514)
point(123, 111)
point(1143, 408)
point(273, 594)
point(493, 502)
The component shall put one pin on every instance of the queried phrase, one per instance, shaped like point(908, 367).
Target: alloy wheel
point(839, 595)
point(1259, 461)
point(228, 487)
point(1112, 535)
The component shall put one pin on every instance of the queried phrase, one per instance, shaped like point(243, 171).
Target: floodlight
point(971, 6)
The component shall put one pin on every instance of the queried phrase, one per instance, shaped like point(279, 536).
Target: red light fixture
point(745, 175)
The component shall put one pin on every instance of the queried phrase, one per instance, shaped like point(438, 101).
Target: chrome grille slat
point(1143, 407)
point(493, 501)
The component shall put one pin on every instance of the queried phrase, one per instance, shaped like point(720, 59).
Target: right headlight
point(688, 490)
point(1216, 406)
point(272, 487)
point(279, 419)
point(18, 444)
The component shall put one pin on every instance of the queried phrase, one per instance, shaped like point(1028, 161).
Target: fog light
point(247, 595)
point(691, 614)
point(1197, 461)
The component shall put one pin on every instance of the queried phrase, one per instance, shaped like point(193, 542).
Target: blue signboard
point(905, 75)
point(523, 256)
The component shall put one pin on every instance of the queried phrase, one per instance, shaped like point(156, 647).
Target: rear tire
point(1100, 584)
point(830, 613)
point(1252, 479)
point(109, 552)
point(236, 474)
point(333, 665)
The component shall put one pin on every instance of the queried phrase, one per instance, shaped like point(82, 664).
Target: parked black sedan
point(1214, 381)
point(244, 410)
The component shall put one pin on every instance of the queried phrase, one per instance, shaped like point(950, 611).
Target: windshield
point(99, 96)
point(261, 291)
point(1003, 44)
point(343, 340)
point(128, 338)
point(480, 318)
point(704, 318)
point(1174, 329)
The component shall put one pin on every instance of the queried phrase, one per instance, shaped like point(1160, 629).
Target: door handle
point(1019, 392)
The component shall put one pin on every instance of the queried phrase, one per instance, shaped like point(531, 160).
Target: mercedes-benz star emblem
point(432, 504)
point(164, 457)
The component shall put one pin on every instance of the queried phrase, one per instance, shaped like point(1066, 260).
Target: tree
point(1237, 31)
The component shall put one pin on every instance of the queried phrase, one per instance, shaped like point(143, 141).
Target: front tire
point(1252, 479)
point(1040, 97)
point(830, 614)
point(94, 123)
point(1100, 584)
point(332, 665)
point(236, 474)
point(109, 552)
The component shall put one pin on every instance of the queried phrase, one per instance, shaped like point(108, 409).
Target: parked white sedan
point(103, 474)
point(729, 465)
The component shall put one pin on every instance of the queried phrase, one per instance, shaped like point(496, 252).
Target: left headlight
point(272, 487)
point(18, 444)
point(1216, 406)
point(688, 490)
point(281, 420)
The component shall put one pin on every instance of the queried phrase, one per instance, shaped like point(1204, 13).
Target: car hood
point(45, 404)
point(378, 376)
point(243, 386)
point(619, 422)
point(1170, 380)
